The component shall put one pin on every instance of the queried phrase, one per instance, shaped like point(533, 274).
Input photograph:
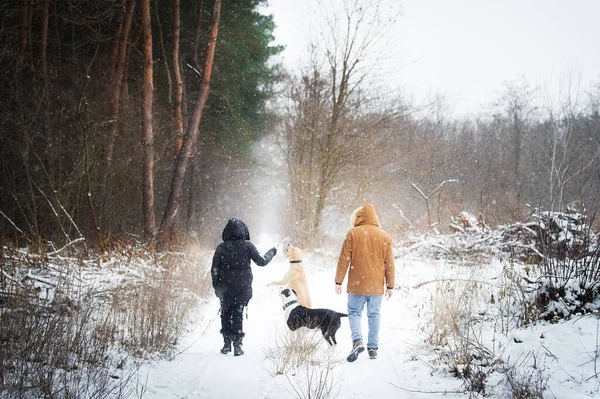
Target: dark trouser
point(232, 316)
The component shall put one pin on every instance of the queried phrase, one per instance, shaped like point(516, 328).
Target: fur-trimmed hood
point(365, 215)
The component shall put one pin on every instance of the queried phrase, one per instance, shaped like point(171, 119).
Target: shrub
point(74, 326)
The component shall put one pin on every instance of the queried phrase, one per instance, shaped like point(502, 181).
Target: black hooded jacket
point(231, 271)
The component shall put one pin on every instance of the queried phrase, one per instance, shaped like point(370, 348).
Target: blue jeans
point(356, 304)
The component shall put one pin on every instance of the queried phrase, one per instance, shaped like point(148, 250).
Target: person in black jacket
point(232, 280)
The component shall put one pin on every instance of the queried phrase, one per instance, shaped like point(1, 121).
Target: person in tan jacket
point(367, 258)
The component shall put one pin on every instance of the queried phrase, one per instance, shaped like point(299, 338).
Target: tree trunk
point(191, 133)
point(197, 35)
point(51, 159)
point(147, 135)
point(164, 52)
point(24, 33)
point(178, 81)
point(44, 43)
point(72, 49)
point(116, 96)
point(517, 133)
point(116, 41)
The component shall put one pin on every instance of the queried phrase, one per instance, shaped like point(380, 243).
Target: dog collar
point(290, 303)
point(296, 261)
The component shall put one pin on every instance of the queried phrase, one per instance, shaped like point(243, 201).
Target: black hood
point(236, 229)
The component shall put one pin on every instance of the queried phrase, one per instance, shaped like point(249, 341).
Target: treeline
point(139, 117)
point(422, 166)
point(348, 138)
point(519, 154)
point(99, 96)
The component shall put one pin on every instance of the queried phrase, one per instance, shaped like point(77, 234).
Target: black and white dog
point(296, 315)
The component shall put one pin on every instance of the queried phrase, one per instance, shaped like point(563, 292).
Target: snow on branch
point(66, 246)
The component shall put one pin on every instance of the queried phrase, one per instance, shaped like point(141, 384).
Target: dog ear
point(294, 291)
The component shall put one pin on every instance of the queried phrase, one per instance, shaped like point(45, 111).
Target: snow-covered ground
point(202, 372)
point(563, 354)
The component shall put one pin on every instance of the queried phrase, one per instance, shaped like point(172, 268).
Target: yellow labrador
point(295, 278)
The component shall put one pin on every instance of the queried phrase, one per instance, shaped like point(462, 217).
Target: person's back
point(368, 251)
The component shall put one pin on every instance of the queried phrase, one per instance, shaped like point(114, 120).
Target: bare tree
point(332, 115)
point(572, 154)
point(177, 107)
point(147, 134)
point(122, 43)
point(191, 133)
point(518, 100)
point(427, 197)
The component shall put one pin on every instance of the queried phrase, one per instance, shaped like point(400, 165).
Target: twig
point(14, 225)
point(66, 245)
point(454, 279)
point(402, 216)
point(200, 336)
point(193, 69)
point(553, 356)
point(479, 241)
point(11, 278)
point(38, 279)
point(427, 392)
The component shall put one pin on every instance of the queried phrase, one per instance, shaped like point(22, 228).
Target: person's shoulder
point(220, 247)
point(352, 231)
point(384, 233)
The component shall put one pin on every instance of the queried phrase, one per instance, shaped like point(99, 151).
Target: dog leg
point(326, 335)
point(284, 281)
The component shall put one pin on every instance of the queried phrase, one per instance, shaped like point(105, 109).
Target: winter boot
point(227, 344)
point(372, 353)
point(237, 344)
point(357, 348)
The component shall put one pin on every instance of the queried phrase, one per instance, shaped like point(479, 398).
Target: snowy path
point(200, 371)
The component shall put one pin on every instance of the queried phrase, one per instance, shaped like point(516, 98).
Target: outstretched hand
point(338, 289)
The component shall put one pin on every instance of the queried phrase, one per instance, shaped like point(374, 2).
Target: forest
point(133, 118)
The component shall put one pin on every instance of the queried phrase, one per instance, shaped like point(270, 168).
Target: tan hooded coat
point(367, 253)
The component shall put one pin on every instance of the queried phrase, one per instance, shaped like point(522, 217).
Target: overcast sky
point(467, 49)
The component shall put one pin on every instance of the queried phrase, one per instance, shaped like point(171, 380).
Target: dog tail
point(342, 314)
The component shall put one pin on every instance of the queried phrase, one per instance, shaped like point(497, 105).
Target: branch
point(66, 245)
point(11, 278)
point(428, 392)
point(402, 215)
point(442, 185)
point(14, 225)
point(454, 279)
point(414, 185)
point(194, 69)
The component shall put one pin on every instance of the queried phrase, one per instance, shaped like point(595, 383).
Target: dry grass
point(290, 350)
point(455, 321)
point(457, 333)
point(76, 326)
point(306, 360)
point(314, 382)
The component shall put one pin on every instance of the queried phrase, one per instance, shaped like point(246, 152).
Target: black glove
point(271, 253)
